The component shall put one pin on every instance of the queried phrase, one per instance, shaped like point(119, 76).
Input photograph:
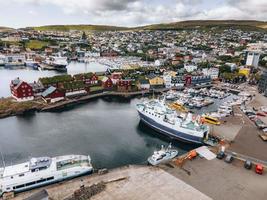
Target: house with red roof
point(21, 90)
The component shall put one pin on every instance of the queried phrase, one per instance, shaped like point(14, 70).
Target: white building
point(167, 78)
point(212, 72)
point(190, 67)
point(253, 58)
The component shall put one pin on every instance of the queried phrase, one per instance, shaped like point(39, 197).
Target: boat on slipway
point(184, 127)
point(43, 171)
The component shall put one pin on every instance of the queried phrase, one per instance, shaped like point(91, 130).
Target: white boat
point(163, 155)
point(159, 117)
point(55, 63)
point(43, 171)
point(31, 63)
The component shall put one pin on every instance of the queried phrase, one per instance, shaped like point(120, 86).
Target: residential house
point(107, 83)
point(190, 67)
point(87, 78)
point(212, 72)
point(52, 95)
point(115, 77)
point(75, 88)
point(21, 90)
point(143, 84)
point(167, 78)
point(177, 81)
point(155, 81)
point(124, 85)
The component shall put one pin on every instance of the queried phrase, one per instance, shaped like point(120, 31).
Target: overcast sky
point(22, 13)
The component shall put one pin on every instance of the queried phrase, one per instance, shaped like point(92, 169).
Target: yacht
point(42, 171)
point(158, 116)
point(163, 155)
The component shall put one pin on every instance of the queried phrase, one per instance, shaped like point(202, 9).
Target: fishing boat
point(158, 116)
point(43, 171)
point(31, 63)
point(163, 155)
point(55, 63)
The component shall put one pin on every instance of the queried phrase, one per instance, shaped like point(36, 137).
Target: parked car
point(220, 155)
point(229, 158)
point(260, 124)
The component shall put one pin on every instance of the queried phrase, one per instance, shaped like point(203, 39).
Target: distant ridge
point(243, 24)
point(81, 27)
point(191, 24)
point(3, 29)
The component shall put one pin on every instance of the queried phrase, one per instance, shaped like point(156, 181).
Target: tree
point(224, 69)
point(84, 36)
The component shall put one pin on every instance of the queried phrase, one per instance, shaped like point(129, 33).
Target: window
point(41, 180)
point(50, 178)
point(19, 186)
point(30, 183)
point(21, 175)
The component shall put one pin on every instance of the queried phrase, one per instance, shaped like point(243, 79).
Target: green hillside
point(79, 27)
point(193, 24)
point(3, 29)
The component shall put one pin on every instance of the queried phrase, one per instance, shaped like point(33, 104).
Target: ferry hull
point(88, 172)
point(170, 132)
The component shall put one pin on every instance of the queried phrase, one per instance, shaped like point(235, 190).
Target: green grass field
point(36, 44)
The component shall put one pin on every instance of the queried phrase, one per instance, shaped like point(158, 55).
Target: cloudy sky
point(22, 13)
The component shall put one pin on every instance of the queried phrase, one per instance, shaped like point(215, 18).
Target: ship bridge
point(40, 163)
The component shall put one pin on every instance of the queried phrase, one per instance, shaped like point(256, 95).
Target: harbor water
point(109, 130)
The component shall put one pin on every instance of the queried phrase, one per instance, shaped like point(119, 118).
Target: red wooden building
point(21, 90)
point(188, 80)
point(115, 77)
point(93, 80)
point(124, 85)
point(52, 94)
point(107, 83)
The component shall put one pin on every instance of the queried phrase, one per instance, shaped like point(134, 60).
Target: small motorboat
point(163, 155)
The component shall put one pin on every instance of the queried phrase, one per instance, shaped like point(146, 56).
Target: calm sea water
point(107, 129)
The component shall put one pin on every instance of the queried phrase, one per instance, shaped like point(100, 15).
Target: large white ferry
point(168, 122)
point(43, 171)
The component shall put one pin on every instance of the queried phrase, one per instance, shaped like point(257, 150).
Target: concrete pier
point(132, 182)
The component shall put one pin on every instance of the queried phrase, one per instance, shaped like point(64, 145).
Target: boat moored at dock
point(163, 155)
point(55, 63)
point(43, 171)
point(184, 127)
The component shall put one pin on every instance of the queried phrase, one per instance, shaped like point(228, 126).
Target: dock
point(130, 182)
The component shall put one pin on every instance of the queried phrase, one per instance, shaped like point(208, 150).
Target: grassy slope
point(3, 29)
point(36, 44)
point(205, 24)
point(79, 27)
point(243, 24)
